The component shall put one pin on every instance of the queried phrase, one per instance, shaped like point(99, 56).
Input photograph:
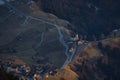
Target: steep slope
point(91, 18)
point(98, 61)
point(33, 35)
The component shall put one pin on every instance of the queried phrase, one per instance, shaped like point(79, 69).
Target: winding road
point(61, 36)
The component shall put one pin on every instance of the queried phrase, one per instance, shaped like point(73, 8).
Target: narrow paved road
point(61, 36)
point(69, 55)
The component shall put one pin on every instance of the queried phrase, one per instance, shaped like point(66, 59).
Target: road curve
point(61, 36)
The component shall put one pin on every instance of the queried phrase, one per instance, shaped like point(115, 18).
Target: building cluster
point(78, 41)
point(28, 72)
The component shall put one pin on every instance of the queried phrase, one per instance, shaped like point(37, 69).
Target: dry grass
point(91, 51)
point(66, 74)
point(112, 43)
point(13, 59)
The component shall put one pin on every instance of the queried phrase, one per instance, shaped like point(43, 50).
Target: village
point(34, 72)
point(28, 72)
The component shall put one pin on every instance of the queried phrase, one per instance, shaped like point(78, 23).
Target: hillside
point(98, 61)
point(90, 18)
point(72, 40)
point(32, 34)
point(95, 62)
